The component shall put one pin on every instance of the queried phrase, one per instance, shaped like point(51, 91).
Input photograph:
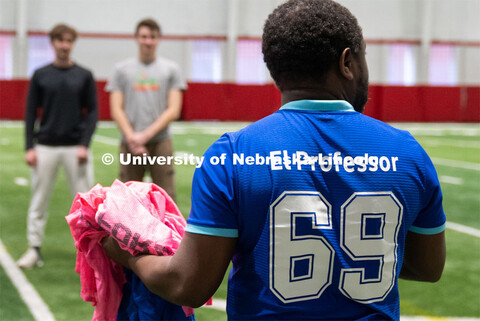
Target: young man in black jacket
point(65, 93)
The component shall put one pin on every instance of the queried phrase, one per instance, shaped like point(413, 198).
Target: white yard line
point(462, 129)
point(21, 181)
point(450, 180)
point(439, 129)
point(207, 127)
point(463, 229)
point(29, 295)
point(106, 140)
point(450, 142)
point(456, 164)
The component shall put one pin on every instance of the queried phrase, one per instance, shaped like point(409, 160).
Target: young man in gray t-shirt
point(146, 95)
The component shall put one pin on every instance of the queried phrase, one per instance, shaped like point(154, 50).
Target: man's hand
point(31, 157)
point(114, 252)
point(136, 143)
point(138, 150)
point(138, 138)
point(82, 154)
point(189, 277)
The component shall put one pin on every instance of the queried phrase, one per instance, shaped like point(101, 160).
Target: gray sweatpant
point(43, 176)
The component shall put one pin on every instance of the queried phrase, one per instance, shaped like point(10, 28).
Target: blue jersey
point(321, 199)
point(138, 303)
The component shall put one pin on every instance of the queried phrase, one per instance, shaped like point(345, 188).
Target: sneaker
point(30, 259)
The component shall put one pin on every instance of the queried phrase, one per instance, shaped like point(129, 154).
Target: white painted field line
point(106, 140)
point(439, 129)
point(450, 180)
point(191, 142)
point(463, 229)
point(208, 127)
point(461, 129)
point(29, 295)
point(21, 181)
point(456, 164)
point(450, 142)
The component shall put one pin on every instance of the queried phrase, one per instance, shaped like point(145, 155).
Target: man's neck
point(63, 63)
point(147, 59)
point(308, 93)
point(330, 88)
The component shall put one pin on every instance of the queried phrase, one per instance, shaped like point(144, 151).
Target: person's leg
point(130, 172)
point(79, 176)
point(42, 183)
point(163, 175)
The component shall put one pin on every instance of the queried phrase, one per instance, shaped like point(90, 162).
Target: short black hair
point(303, 38)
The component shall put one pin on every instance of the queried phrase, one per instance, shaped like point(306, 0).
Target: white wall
point(445, 20)
point(200, 17)
point(380, 19)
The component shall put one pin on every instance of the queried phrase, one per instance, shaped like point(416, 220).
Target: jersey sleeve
point(213, 193)
point(431, 219)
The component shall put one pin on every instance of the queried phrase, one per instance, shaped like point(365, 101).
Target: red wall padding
point(13, 94)
point(229, 101)
point(204, 101)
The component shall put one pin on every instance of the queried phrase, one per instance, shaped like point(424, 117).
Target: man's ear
point(345, 63)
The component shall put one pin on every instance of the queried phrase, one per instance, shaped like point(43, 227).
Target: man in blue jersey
point(320, 208)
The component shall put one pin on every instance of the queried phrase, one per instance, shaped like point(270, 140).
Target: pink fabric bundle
point(140, 216)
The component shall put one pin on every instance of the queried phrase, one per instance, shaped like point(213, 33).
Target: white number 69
point(301, 265)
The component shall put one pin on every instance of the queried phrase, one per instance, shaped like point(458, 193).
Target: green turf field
point(455, 149)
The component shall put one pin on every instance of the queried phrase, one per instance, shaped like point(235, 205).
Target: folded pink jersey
point(142, 217)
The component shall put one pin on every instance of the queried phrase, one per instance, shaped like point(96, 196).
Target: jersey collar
point(318, 105)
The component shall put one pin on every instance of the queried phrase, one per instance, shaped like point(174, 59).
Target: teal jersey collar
point(318, 105)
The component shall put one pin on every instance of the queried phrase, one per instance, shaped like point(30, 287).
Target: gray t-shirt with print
point(145, 88)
